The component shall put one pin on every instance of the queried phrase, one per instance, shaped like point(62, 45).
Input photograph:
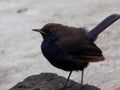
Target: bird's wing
point(80, 48)
point(87, 52)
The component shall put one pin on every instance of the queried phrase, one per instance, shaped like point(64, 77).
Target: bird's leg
point(67, 79)
point(82, 77)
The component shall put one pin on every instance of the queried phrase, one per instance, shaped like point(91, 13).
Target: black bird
point(71, 48)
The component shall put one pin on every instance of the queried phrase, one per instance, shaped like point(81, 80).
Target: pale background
point(20, 54)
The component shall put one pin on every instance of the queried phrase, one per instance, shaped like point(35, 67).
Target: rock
point(49, 81)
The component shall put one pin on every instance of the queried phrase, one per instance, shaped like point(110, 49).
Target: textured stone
point(49, 81)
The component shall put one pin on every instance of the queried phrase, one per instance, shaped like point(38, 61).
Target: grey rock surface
point(49, 81)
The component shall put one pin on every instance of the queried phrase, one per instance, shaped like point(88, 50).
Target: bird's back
point(73, 41)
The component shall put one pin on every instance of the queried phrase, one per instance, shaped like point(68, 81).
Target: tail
point(92, 35)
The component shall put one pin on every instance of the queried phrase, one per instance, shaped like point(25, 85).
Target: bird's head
point(50, 30)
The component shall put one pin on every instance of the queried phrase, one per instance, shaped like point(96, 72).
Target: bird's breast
point(58, 58)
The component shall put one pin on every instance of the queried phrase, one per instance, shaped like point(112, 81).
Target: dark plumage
point(71, 48)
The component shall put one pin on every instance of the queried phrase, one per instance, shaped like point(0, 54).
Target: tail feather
point(92, 35)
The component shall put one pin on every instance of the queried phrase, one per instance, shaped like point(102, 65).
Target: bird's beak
point(38, 30)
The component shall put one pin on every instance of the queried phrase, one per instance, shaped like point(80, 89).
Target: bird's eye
point(50, 31)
